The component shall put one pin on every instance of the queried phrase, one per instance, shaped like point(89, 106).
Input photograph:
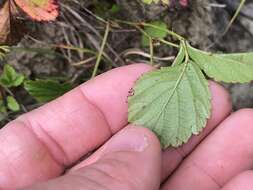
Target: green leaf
point(159, 32)
point(12, 104)
point(180, 56)
point(46, 90)
point(233, 68)
point(246, 58)
point(10, 78)
point(174, 102)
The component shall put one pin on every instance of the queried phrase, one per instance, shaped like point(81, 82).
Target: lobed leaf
point(174, 102)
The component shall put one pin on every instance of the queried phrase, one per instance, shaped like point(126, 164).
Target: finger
point(221, 108)
point(172, 157)
point(226, 152)
point(124, 164)
point(243, 181)
point(41, 143)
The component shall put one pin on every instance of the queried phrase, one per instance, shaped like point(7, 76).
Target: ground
point(46, 51)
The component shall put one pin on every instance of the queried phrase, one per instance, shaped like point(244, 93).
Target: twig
point(238, 10)
point(144, 54)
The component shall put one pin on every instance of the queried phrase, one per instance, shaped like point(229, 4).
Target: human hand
point(40, 146)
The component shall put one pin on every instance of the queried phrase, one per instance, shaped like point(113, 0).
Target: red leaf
point(39, 10)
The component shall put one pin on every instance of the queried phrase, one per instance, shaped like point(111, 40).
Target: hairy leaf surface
point(234, 68)
point(174, 102)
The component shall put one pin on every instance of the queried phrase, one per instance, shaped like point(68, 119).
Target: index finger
point(41, 143)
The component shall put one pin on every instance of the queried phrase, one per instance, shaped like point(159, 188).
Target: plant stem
point(151, 50)
point(238, 10)
point(168, 43)
point(170, 32)
point(100, 54)
point(187, 57)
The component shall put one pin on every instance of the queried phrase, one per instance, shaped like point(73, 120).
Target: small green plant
point(9, 78)
point(41, 90)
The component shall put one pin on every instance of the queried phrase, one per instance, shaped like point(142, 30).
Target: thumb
point(130, 160)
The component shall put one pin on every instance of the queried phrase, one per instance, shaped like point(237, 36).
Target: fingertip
point(136, 137)
point(131, 155)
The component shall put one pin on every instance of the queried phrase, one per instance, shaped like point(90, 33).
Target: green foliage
point(175, 101)
point(46, 90)
point(234, 68)
point(157, 32)
point(10, 78)
point(12, 104)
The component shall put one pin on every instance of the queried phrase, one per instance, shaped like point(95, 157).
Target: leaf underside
point(232, 68)
point(174, 102)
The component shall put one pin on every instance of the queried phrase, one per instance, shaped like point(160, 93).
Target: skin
point(42, 149)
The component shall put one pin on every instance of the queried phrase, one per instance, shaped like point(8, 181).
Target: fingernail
point(131, 138)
